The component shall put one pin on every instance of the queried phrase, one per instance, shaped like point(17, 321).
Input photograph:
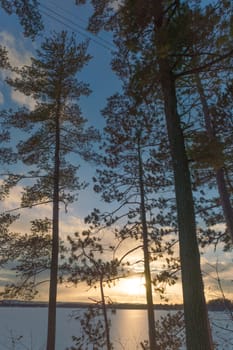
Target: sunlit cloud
point(18, 55)
point(78, 293)
point(219, 227)
point(23, 100)
point(217, 272)
point(125, 289)
point(71, 223)
point(12, 204)
point(12, 201)
point(6, 276)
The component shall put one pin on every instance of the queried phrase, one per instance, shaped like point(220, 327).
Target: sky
point(60, 15)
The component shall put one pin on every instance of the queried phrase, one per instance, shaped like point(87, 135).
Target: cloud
point(12, 204)
point(115, 5)
point(13, 200)
point(18, 57)
point(218, 227)
point(217, 272)
point(71, 223)
point(23, 100)
point(17, 53)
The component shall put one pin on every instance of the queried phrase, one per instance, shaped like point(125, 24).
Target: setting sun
point(133, 286)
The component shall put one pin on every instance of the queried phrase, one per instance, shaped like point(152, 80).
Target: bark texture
point(198, 335)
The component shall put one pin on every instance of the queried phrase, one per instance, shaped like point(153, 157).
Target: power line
point(101, 38)
point(76, 30)
point(73, 26)
point(57, 6)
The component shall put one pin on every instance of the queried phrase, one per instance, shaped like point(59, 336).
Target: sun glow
point(134, 286)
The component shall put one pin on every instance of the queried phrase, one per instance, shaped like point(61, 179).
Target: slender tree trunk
point(107, 330)
point(51, 332)
point(147, 272)
point(220, 176)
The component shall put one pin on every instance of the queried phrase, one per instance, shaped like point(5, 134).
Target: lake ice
point(24, 328)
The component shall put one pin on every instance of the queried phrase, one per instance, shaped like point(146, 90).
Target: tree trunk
point(147, 273)
point(51, 331)
point(220, 176)
point(104, 308)
point(198, 335)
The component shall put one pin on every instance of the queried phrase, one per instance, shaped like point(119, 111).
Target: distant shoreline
point(84, 305)
point(214, 305)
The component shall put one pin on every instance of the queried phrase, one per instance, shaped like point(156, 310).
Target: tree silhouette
point(57, 129)
point(93, 262)
point(129, 175)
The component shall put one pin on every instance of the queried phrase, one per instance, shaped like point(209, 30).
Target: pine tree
point(3, 58)
point(93, 262)
point(57, 129)
point(128, 178)
point(31, 254)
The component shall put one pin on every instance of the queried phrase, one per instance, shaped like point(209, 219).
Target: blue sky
point(60, 15)
point(64, 16)
point(102, 82)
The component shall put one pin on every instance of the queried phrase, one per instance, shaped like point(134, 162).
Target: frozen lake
point(24, 328)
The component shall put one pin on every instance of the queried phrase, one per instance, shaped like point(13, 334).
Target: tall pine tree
point(56, 129)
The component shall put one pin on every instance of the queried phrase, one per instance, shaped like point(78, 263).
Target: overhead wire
point(68, 12)
point(101, 38)
point(73, 26)
point(56, 16)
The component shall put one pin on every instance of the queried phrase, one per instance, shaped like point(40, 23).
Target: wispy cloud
point(17, 53)
point(71, 223)
point(13, 200)
point(18, 56)
point(22, 99)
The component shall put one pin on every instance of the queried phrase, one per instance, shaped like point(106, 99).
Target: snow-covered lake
point(24, 328)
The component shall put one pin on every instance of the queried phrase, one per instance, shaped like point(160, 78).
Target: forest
point(163, 163)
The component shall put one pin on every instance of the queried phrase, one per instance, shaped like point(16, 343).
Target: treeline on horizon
point(218, 304)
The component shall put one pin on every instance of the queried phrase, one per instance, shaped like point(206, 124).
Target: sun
point(133, 286)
